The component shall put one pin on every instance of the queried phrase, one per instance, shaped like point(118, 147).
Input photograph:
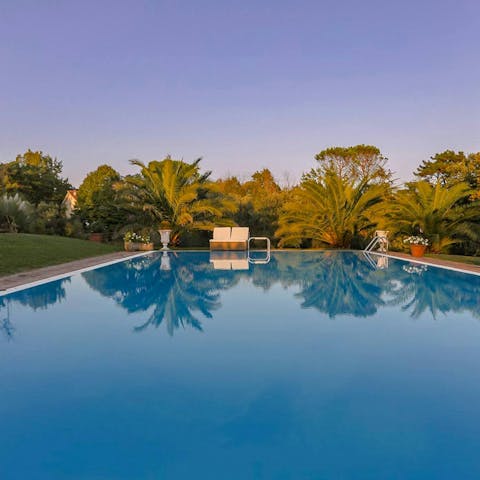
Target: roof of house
point(71, 195)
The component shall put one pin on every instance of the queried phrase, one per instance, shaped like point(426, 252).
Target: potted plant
point(165, 230)
point(134, 242)
point(97, 231)
point(418, 245)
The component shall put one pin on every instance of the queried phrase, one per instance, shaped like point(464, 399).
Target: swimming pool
point(317, 365)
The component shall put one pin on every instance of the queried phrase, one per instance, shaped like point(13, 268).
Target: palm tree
point(173, 192)
point(437, 211)
point(330, 210)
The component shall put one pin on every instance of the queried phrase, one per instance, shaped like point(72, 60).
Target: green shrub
point(15, 213)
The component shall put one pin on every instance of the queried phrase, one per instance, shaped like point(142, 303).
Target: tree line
point(348, 193)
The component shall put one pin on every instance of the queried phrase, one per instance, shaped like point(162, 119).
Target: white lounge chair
point(226, 238)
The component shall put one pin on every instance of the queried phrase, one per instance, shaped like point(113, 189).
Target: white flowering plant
point(416, 240)
point(136, 238)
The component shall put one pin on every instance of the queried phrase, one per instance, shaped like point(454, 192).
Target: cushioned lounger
point(226, 238)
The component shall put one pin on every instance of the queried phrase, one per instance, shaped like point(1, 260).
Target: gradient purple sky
point(245, 84)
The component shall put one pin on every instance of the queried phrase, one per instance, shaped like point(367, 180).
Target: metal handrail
point(380, 262)
point(259, 260)
point(381, 241)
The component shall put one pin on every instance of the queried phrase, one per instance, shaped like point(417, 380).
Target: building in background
point(70, 202)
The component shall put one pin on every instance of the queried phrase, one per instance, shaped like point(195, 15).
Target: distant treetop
point(358, 163)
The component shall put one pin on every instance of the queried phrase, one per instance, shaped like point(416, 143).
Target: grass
point(20, 252)
point(455, 258)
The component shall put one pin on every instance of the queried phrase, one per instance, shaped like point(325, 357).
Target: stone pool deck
point(437, 262)
point(29, 276)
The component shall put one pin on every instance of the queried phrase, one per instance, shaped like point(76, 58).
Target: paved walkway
point(436, 261)
point(38, 274)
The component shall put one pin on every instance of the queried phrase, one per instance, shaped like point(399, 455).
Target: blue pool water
point(313, 366)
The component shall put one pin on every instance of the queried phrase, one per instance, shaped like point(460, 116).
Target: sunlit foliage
point(174, 194)
point(329, 210)
point(436, 211)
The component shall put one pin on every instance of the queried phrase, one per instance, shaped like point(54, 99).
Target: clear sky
point(245, 84)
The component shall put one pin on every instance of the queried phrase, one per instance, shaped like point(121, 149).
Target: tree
point(360, 163)
point(232, 187)
point(37, 177)
point(450, 167)
point(97, 204)
point(329, 210)
point(49, 219)
point(437, 211)
point(258, 202)
point(174, 192)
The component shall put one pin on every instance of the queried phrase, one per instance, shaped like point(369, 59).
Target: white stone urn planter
point(165, 237)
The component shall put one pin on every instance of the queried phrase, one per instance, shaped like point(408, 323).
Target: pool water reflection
point(315, 365)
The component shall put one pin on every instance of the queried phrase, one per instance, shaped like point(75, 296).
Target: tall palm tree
point(174, 192)
point(437, 211)
point(330, 210)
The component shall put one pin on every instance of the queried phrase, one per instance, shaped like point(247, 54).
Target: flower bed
point(134, 242)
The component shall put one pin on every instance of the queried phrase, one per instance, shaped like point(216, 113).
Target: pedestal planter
point(165, 237)
point(131, 246)
point(418, 250)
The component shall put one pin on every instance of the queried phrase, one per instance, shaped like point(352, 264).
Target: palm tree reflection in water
point(37, 298)
point(342, 285)
point(186, 289)
point(334, 283)
point(173, 292)
point(421, 289)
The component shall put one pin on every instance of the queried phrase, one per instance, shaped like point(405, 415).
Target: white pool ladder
point(259, 261)
point(380, 241)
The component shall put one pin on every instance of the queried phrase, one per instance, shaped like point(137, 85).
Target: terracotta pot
point(131, 246)
point(417, 250)
point(96, 237)
point(137, 246)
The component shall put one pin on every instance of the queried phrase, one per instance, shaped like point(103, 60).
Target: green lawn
point(20, 252)
point(455, 258)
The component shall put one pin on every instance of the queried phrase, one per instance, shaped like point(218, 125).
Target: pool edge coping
point(429, 264)
point(59, 276)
